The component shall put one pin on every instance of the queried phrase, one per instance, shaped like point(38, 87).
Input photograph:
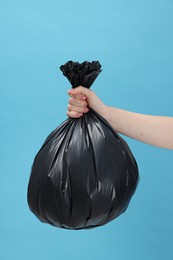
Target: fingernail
point(69, 91)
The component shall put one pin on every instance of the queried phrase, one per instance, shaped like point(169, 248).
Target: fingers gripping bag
point(84, 175)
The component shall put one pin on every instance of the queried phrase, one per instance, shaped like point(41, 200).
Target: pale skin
point(149, 129)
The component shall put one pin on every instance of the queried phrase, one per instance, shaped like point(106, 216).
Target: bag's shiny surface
point(83, 176)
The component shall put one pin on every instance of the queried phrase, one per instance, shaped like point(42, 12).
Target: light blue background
point(133, 41)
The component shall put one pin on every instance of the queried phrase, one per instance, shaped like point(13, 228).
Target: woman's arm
point(153, 130)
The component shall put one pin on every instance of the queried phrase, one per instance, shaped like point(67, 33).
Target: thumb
point(80, 91)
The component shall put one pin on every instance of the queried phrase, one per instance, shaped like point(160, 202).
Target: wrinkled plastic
point(84, 174)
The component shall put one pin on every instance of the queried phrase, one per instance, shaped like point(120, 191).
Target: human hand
point(81, 99)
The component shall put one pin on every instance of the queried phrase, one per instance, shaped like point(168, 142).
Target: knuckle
point(85, 110)
point(77, 108)
point(82, 88)
point(82, 103)
point(80, 109)
point(75, 114)
point(70, 100)
point(67, 113)
point(70, 114)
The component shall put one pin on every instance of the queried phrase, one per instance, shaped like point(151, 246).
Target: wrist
point(104, 112)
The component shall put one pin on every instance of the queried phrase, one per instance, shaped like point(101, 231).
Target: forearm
point(154, 130)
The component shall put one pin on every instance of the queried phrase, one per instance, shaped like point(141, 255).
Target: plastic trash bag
point(84, 174)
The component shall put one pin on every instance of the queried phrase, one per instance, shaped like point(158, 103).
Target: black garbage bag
point(84, 174)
